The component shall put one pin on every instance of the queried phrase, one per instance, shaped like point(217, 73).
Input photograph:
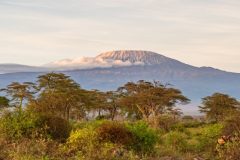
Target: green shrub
point(15, 125)
point(27, 124)
point(82, 139)
point(192, 124)
point(84, 144)
point(145, 138)
point(178, 127)
point(207, 140)
point(176, 141)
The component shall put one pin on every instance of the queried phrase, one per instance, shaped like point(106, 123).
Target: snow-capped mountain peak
point(135, 56)
point(112, 58)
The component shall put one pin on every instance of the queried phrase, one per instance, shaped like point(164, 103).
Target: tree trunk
point(113, 113)
point(68, 113)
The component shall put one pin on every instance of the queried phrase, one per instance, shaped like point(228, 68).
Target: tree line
point(59, 95)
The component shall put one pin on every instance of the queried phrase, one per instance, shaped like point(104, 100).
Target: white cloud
point(89, 62)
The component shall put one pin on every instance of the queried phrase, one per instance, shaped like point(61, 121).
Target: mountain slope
point(13, 68)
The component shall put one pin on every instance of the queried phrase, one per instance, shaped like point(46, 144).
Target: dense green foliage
point(218, 106)
point(15, 125)
point(145, 138)
point(4, 102)
point(56, 119)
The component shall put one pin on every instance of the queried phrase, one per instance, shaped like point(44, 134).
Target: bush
point(230, 150)
point(192, 124)
point(85, 144)
point(82, 139)
point(166, 122)
point(176, 141)
point(55, 127)
point(178, 127)
point(137, 136)
point(32, 149)
point(27, 124)
point(208, 138)
point(187, 118)
point(114, 132)
point(232, 124)
point(15, 125)
point(145, 138)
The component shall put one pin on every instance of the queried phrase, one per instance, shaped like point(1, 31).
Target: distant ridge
point(14, 68)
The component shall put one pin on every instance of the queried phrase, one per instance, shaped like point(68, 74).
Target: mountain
point(113, 59)
point(112, 69)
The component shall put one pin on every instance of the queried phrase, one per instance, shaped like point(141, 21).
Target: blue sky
point(197, 32)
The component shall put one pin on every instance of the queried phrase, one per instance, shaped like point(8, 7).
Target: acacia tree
point(218, 106)
point(59, 94)
point(149, 100)
point(20, 92)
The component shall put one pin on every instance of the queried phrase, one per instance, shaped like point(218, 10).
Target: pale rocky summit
point(135, 56)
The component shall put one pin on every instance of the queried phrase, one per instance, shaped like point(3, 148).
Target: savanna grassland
point(55, 119)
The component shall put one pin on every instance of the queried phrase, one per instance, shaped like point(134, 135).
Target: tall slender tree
point(20, 92)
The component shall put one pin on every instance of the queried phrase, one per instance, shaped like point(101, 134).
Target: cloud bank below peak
point(89, 62)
